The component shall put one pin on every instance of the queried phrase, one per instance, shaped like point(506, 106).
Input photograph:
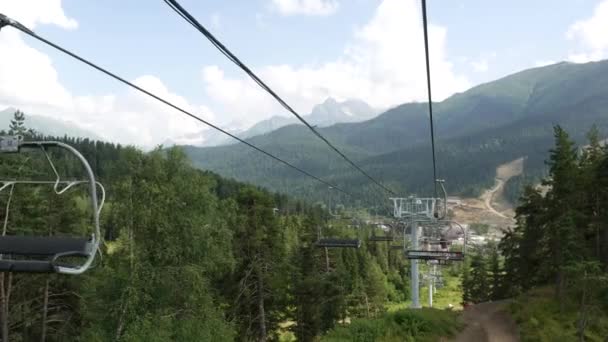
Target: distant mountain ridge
point(325, 114)
point(476, 131)
point(47, 125)
point(328, 113)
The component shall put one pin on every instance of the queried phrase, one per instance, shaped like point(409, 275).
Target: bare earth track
point(488, 322)
point(492, 197)
point(491, 208)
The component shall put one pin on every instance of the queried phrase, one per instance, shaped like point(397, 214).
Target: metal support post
point(414, 265)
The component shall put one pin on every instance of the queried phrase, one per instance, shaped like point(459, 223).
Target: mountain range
point(476, 131)
point(325, 114)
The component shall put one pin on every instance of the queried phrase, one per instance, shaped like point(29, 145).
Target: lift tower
point(415, 210)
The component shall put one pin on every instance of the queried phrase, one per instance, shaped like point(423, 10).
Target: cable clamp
point(4, 20)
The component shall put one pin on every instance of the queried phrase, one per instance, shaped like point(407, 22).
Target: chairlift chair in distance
point(334, 242)
point(443, 256)
point(49, 254)
point(338, 243)
point(388, 237)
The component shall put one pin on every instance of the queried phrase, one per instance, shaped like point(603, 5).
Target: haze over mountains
point(324, 114)
point(476, 130)
point(47, 126)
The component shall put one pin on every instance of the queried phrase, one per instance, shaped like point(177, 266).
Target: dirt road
point(488, 322)
point(488, 197)
point(504, 172)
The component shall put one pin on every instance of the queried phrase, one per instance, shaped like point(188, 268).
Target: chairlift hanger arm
point(445, 200)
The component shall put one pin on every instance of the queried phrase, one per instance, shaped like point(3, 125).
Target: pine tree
point(590, 203)
point(509, 247)
point(17, 125)
point(480, 285)
point(467, 284)
point(496, 275)
point(601, 182)
point(564, 242)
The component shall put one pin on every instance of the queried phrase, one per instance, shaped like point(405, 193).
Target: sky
point(306, 50)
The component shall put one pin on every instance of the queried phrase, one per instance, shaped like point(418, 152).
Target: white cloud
point(592, 35)
point(383, 65)
point(586, 57)
point(135, 118)
point(480, 65)
point(27, 76)
point(306, 7)
point(29, 81)
point(32, 12)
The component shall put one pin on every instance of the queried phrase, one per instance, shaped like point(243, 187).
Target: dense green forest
point(187, 256)
point(476, 131)
point(554, 262)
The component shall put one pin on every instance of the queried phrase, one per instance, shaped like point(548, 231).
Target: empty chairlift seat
point(50, 254)
point(376, 238)
point(338, 243)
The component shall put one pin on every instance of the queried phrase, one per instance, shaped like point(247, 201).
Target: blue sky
point(305, 49)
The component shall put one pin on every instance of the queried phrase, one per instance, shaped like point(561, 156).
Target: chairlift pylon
point(47, 254)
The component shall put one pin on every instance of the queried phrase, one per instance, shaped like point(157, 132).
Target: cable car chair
point(47, 254)
point(389, 237)
point(441, 206)
point(444, 257)
point(334, 215)
point(393, 236)
point(334, 242)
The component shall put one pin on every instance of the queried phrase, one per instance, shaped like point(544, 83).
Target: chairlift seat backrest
point(381, 238)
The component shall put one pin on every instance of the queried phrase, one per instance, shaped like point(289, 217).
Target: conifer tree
point(17, 125)
point(480, 285)
point(496, 275)
point(564, 242)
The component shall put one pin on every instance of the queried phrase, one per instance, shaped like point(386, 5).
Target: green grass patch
point(403, 325)
point(449, 293)
point(538, 317)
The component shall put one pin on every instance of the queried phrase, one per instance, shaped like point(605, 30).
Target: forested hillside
point(554, 262)
point(476, 131)
point(187, 256)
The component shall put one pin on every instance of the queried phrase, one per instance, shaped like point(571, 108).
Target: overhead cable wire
point(175, 6)
point(430, 97)
point(4, 21)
